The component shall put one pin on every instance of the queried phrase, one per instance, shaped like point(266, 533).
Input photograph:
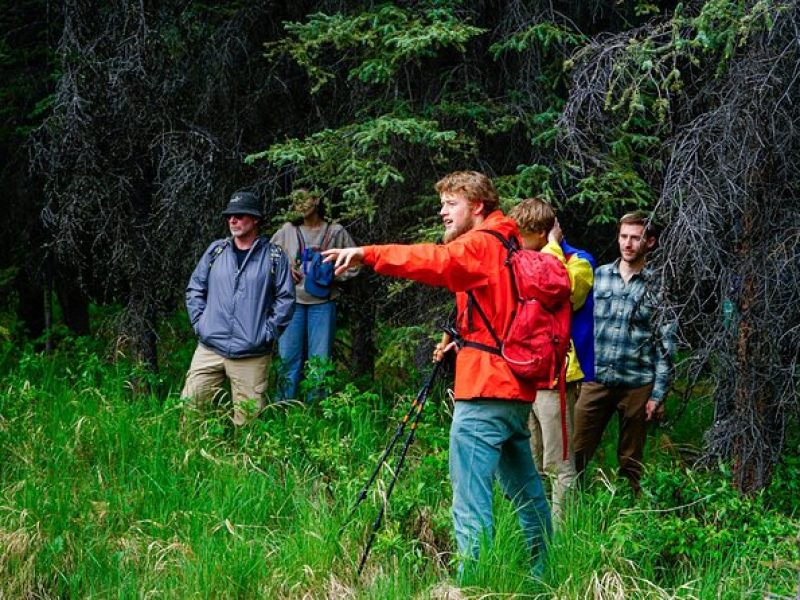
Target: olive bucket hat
point(244, 203)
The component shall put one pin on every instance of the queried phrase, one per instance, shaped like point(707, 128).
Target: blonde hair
point(474, 186)
point(534, 215)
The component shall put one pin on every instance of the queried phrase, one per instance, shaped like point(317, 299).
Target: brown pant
point(248, 378)
point(594, 409)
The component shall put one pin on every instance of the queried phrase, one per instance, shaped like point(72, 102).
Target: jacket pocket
point(258, 337)
point(198, 325)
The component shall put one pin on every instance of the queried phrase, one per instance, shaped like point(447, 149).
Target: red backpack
point(536, 343)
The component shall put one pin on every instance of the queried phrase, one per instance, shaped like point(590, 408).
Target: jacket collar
point(497, 221)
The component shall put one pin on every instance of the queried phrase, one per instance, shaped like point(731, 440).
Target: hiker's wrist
point(370, 255)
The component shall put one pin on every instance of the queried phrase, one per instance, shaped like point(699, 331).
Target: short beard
point(449, 236)
point(639, 259)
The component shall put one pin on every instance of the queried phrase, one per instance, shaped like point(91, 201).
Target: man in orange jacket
point(489, 435)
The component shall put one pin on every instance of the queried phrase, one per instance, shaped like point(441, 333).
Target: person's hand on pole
point(345, 258)
point(443, 347)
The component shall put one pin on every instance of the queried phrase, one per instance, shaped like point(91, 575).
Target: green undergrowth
point(110, 491)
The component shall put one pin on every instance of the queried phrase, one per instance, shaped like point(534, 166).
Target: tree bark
point(142, 323)
point(754, 419)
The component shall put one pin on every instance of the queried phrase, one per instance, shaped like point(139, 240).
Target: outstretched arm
point(459, 266)
point(344, 258)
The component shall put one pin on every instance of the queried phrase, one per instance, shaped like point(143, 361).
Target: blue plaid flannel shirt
point(630, 350)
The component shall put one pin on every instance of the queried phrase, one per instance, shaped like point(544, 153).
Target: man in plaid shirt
point(632, 354)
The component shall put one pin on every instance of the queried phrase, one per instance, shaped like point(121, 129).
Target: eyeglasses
point(238, 217)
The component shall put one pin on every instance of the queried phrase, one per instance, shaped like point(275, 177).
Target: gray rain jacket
point(240, 312)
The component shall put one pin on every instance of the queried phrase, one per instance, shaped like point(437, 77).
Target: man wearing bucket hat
point(311, 331)
point(240, 298)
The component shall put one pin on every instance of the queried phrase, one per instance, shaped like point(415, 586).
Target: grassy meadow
point(110, 488)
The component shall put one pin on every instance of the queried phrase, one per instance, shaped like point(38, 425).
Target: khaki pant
point(248, 377)
point(547, 443)
point(594, 409)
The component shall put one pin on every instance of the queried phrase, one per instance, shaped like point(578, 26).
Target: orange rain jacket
point(473, 261)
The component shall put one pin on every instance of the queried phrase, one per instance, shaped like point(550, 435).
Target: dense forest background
point(125, 126)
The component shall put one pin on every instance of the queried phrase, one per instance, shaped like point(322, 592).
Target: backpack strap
point(275, 254)
point(216, 252)
point(511, 245)
point(301, 240)
point(323, 245)
point(562, 401)
point(498, 344)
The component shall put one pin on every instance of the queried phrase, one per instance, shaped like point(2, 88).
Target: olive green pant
point(594, 409)
point(248, 377)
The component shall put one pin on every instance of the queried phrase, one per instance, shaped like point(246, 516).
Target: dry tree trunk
point(141, 322)
point(751, 402)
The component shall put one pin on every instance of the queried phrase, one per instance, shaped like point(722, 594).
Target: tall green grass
point(110, 492)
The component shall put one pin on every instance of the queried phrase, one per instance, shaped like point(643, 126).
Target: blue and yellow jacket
point(580, 266)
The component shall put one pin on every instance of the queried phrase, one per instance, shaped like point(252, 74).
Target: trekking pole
point(398, 432)
point(417, 406)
